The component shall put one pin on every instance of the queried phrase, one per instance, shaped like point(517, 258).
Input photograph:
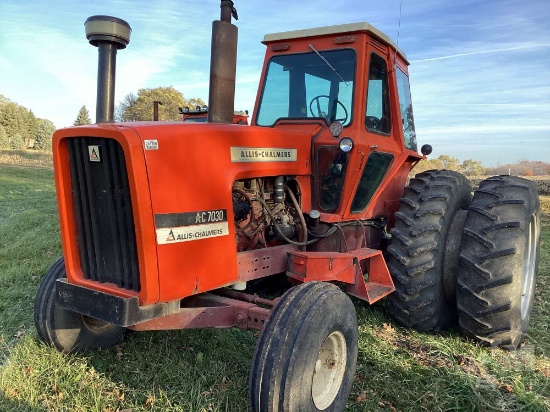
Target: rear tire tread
point(416, 252)
point(491, 261)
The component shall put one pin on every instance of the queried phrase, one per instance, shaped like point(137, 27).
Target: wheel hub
point(529, 263)
point(99, 327)
point(329, 371)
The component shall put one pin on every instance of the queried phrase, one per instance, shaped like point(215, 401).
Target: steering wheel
point(373, 123)
point(320, 112)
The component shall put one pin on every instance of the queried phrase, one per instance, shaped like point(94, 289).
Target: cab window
point(377, 118)
point(303, 85)
point(331, 169)
point(405, 104)
point(373, 174)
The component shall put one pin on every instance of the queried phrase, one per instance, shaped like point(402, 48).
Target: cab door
point(378, 146)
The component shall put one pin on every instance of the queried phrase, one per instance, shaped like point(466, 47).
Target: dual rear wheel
point(475, 261)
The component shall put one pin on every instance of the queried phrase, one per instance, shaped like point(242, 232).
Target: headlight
point(346, 144)
point(336, 129)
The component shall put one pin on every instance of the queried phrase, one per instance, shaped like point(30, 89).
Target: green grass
point(207, 370)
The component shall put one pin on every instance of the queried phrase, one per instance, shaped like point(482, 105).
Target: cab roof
point(338, 29)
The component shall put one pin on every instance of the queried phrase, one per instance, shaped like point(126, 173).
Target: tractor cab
point(352, 82)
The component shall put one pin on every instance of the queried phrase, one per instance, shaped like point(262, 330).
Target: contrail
point(452, 56)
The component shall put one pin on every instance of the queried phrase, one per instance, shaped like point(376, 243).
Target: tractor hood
point(176, 173)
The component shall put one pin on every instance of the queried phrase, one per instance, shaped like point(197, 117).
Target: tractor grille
point(103, 211)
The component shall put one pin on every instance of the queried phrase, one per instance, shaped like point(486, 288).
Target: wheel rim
point(529, 266)
point(96, 326)
point(330, 368)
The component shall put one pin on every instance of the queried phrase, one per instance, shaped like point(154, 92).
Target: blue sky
point(480, 69)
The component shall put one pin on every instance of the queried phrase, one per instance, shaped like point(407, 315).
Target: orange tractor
point(176, 225)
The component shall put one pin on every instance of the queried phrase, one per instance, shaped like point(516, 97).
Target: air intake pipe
point(108, 34)
point(223, 66)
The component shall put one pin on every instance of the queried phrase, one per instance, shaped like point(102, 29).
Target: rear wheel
point(65, 330)
point(499, 257)
point(306, 354)
point(423, 253)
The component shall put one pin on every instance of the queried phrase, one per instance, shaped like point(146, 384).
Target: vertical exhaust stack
point(108, 34)
point(156, 104)
point(223, 66)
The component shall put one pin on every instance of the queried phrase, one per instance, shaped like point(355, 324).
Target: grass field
point(207, 370)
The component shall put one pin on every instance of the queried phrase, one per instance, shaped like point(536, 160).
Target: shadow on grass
point(9, 406)
point(397, 370)
point(187, 370)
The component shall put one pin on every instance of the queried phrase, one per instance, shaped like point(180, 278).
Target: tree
point(11, 118)
point(429, 164)
point(17, 142)
point(122, 112)
point(3, 101)
point(83, 117)
point(140, 107)
point(450, 163)
point(469, 167)
point(30, 126)
point(473, 168)
point(194, 102)
point(17, 119)
point(4, 141)
point(43, 137)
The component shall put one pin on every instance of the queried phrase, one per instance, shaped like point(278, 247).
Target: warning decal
point(184, 227)
point(263, 154)
point(93, 151)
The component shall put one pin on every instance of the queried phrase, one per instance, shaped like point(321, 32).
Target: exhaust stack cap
point(107, 29)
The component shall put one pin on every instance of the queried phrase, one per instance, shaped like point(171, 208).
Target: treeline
point(20, 128)
point(470, 167)
point(523, 168)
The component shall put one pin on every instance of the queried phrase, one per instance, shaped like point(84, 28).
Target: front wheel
point(306, 354)
point(65, 330)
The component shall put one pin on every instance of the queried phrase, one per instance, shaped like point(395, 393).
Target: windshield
point(304, 85)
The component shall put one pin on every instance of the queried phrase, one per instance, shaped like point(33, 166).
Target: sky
point(480, 69)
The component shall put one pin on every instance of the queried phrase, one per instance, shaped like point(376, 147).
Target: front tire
point(65, 330)
point(306, 354)
point(499, 258)
point(423, 251)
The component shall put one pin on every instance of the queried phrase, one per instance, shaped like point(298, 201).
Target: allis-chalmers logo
point(93, 151)
point(263, 154)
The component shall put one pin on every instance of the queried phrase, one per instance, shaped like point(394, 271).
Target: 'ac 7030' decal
point(184, 227)
point(263, 154)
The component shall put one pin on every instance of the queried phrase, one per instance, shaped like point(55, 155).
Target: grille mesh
point(103, 211)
